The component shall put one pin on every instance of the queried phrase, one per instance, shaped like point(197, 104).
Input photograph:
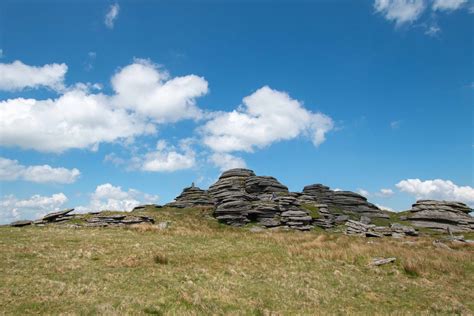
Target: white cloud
point(432, 30)
point(227, 161)
point(112, 15)
point(76, 119)
point(11, 170)
point(145, 88)
point(166, 158)
point(17, 76)
point(400, 11)
point(437, 189)
point(113, 198)
point(385, 208)
point(363, 192)
point(89, 63)
point(12, 208)
point(385, 192)
point(145, 95)
point(448, 5)
point(395, 124)
point(266, 116)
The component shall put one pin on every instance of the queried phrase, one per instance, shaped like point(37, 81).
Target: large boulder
point(192, 197)
point(442, 215)
point(341, 201)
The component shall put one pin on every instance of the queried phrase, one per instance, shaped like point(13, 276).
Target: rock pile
point(56, 217)
point(192, 197)
point(442, 215)
point(117, 220)
point(242, 197)
point(98, 219)
point(369, 230)
point(341, 201)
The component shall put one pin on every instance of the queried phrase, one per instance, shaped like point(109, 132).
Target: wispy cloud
point(112, 15)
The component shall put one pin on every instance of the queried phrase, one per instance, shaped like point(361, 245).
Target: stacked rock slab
point(192, 197)
point(442, 215)
point(242, 197)
point(341, 201)
point(369, 230)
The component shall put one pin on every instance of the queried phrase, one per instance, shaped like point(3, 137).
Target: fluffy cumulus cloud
point(12, 170)
point(145, 88)
point(448, 5)
point(225, 161)
point(400, 11)
point(76, 119)
point(266, 116)
point(166, 158)
point(17, 76)
point(113, 198)
point(12, 208)
point(111, 16)
point(437, 189)
point(79, 118)
point(363, 192)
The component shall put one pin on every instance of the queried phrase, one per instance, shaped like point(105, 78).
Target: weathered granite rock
point(192, 197)
point(242, 197)
point(369, 230)
point(342, 201)
point(117, 220)
point(21, 223)
point(448, 216)
point(146, 206)
point(53, 216)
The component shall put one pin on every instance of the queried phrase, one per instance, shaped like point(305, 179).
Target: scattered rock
point(163, 225)
point(21, 223)
point(117, 220)
point(446, 216)
point(51, 217)
point(382, 261)
point(369, 230)
point(146, 206)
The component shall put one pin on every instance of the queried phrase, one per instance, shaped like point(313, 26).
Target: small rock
point(381, 261)
point(256, 229)
point(21, 223)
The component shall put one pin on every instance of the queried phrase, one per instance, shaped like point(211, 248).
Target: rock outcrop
point(369, 230)
point(117, 220)
point(343, 202)
point(441, 215)
point(242, 197)
point(96, 219)
point(192, 197)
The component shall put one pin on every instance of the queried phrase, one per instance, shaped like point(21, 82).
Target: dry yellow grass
point(197, 266)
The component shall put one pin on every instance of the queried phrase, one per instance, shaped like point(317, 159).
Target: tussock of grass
point(198, 266)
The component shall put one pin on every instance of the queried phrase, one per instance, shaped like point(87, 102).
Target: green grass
point(313, 210)
point(198, 266)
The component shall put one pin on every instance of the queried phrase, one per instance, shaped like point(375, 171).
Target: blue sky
point(110, 104)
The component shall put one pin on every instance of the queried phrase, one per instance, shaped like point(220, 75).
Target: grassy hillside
point(197, 266)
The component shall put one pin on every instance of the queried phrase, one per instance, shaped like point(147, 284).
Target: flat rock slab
point(382, 261)
point(21, 223)
point(51, 216)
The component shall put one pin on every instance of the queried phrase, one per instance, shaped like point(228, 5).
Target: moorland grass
point(197, 266)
